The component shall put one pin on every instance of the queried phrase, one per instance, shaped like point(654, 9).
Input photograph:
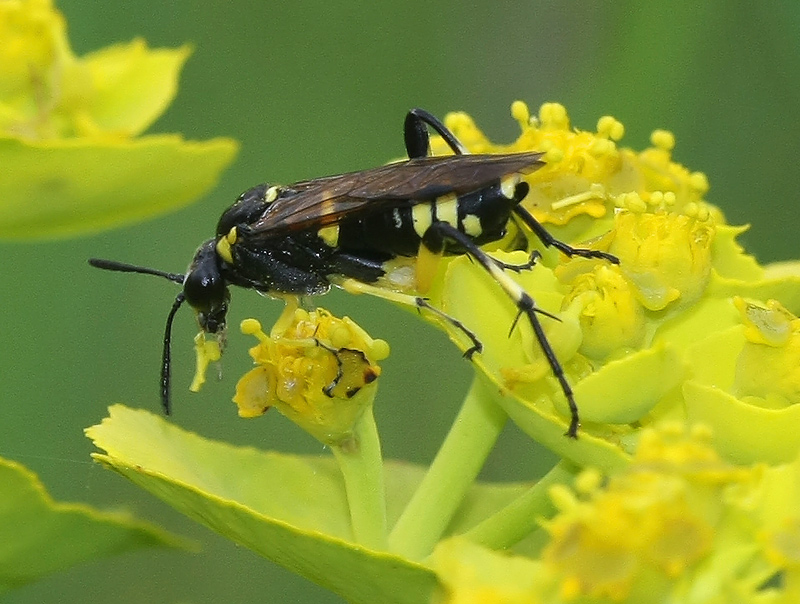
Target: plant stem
point(460, 458)
point(520, 517)
point(362, 468)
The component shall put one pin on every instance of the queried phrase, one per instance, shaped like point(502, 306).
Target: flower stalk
point(361, 464)
point(522, 516)
point(458, 462)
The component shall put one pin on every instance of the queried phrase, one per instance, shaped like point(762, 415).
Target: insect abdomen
point(482, 215)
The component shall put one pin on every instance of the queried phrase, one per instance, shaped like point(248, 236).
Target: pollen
point(663, 139)
point(207, 352)
point(553, 116)
point(521, 113)
point(553, 155)
point(699, 182)
point(610, 127)
point(601, 147)
point(250, 326)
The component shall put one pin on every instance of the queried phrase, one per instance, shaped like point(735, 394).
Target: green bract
point(290, 509)
point(39, 536)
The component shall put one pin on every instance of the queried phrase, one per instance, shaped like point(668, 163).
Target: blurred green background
point(314, 88)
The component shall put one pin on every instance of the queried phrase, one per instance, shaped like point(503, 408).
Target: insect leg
point(525, 305)
point(548, 240)
point(354, 286)
point(416, 134)
point(518, 268)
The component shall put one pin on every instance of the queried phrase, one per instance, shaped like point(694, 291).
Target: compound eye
point(205, 289)
point(202, 289)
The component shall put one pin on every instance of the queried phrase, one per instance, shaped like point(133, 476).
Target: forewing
point(327, 200)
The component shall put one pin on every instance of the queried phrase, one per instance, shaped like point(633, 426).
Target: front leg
point(549, 241)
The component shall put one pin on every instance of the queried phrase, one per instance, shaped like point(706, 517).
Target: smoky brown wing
point(325, 201)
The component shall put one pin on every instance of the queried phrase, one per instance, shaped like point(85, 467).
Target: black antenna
point(166, 357)
point(121, 267)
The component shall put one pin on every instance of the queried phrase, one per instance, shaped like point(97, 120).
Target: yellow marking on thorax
point(271, 194)
point(447, 209)
point(330, 235)
point(421, 215)
point(508, 185)
point(472, 225)
point(224, 246)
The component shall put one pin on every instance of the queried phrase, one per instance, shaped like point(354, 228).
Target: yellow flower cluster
point(315, 368)
point(637, 339)
point(680, 524)
point(586, 173)
point(656, 519)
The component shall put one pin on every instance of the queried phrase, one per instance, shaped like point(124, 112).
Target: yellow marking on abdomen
point(447, 209)
point(472, 225)
point(330, 235)
point(422, 218)
point(508, 185)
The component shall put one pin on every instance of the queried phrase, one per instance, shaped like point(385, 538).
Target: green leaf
point(62, 188)
point(39, 536)
point(290, 509)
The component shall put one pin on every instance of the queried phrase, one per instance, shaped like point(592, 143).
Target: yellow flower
point(66, 124)
point(666, 257)
point(46, 92)
point(611, 317)
point(679, 524)
point(315, 368)
point(207, 351)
